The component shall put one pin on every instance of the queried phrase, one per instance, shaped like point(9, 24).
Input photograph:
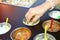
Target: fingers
point(35, 19)
point(29, 15)
point(0, 1)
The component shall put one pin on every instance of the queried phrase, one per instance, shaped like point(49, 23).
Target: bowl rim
point(33, 24)
point(48, 21)
point(20, 28)
point(52, 13)
point(8, 30)
point(42, 34)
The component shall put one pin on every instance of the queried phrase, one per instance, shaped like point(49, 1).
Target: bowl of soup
point(21, 33)
point(55, 26)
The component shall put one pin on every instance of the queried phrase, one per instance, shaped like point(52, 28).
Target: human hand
point(0, 1)
point(34, 14)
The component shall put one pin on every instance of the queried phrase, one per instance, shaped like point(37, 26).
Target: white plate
point(4, 29)
point(55, 14)
point(29, 24)
point(22, 3)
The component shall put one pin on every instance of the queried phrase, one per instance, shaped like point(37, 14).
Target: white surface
point(4, 29)
point(30, 24)
point(23, 3)
point(54, 14)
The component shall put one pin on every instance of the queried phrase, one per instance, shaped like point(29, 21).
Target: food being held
point(55, 14)
point(29, 23)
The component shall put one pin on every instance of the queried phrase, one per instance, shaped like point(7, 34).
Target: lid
point(55, 14)
point(4, 28)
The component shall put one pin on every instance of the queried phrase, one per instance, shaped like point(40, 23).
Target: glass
point(4, 28)
point(55, 14)
point(21, 33)
point(41, 37)
point(29, 23)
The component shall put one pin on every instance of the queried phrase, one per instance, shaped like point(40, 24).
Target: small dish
point(21, 33)
point(55, 25)
point(41, 37)
point(30, 24)
point(55, 14)
point(4, 28)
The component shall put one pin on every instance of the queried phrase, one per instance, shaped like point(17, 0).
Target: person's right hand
point(35, 12)
point(0, 1)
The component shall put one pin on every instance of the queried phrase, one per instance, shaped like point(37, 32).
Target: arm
point(38, 11)
point(47, 4)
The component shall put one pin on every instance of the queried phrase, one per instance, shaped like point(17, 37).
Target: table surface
point(16, 15)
